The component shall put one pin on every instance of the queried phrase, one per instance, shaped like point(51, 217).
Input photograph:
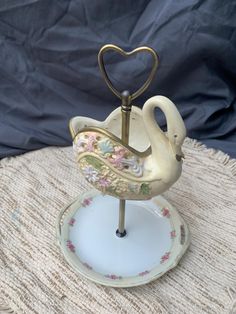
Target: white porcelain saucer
point(157, 237)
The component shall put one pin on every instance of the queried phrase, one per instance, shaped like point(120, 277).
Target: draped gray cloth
point(49, 71)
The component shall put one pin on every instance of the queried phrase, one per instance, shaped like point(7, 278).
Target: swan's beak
point(179, 157)
point(178, 153)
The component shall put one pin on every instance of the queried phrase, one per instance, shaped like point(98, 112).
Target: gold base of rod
point(120, 232)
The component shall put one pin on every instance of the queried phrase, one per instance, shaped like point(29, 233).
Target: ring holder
point(123, 233)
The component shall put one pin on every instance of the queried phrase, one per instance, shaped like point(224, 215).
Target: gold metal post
point(121, 232)
point(125, 114)
point(126, 99)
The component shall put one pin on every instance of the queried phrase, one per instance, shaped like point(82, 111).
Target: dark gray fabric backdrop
point(49, 71)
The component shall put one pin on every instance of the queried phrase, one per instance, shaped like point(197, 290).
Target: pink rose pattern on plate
point(88, 266)
point(113, 277)
point(87, 201)
point(165, 212)
point(70, 246)
point(172, 234)
point(165, 257)
point(144, 273)
point(71, 222)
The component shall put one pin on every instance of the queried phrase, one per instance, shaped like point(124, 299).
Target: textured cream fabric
point(34, 278)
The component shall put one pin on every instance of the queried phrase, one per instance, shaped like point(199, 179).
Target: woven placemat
point(36, 279)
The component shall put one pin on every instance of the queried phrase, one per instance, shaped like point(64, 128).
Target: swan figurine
point(140, 170)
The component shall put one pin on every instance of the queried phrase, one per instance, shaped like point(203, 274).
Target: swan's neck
point(158, 139)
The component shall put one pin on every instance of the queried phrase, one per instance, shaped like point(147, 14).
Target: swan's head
point(176, 136)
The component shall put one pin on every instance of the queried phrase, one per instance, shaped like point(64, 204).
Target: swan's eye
point(175, 135)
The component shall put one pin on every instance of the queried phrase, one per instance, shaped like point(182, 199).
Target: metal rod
point(125, 114)
point(121, 232)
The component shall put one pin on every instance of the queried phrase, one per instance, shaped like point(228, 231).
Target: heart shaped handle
point(127, 54)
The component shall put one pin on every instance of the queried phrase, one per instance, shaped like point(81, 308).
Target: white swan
point(134, 171)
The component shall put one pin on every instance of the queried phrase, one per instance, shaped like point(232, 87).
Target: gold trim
point(72, 133)
point(120, 173)
point(146, 153)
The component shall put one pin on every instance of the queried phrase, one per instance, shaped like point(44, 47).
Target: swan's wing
point(110, 150)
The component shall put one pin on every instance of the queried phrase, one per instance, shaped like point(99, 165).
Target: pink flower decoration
point(104, 182)
point(71, 222)
point(165, 212)
point(87, 265)
point(70, 246)
point(165, 257)
point(173, 234)
point(91, 140)
point(117, 162)
point(120, 151)
point(144, 273)
point(118, 157)
point(87, 201)
point(78, 146)
point(114, 277)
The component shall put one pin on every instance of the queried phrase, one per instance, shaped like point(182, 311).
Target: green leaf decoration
point(93, 161)
point(112, 190)
point(145, 189)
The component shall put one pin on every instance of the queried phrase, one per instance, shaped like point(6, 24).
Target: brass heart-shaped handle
point(127, 54)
